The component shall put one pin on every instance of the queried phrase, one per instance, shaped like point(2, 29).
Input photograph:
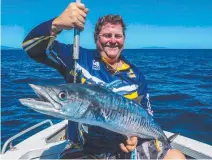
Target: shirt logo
point(131, 74)
point(96, 65)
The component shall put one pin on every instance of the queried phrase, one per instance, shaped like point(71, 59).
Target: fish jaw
point(72, 108)
point(44, 104)
point(40, 106)
point(45, 94)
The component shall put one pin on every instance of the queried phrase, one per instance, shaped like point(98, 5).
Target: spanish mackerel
point(95, 105)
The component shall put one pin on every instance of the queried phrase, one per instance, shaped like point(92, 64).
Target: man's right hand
point(73, 16)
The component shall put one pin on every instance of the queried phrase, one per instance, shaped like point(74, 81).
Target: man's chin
point(112, 53)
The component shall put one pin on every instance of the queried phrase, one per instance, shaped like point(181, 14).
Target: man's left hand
point(130, 144)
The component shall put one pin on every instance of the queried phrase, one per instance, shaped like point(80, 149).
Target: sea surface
point(179, 81)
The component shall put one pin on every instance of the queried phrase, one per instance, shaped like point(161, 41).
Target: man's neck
point(113, 64)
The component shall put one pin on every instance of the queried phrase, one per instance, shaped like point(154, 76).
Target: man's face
point(110, 41)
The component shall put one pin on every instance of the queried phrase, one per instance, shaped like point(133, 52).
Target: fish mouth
point(44, 103)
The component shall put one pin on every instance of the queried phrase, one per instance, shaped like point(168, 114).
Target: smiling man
point(110, 39)
point(103, 66)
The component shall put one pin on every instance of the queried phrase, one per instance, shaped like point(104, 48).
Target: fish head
point(64, 101)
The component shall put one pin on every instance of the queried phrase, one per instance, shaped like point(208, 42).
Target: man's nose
point(113, 40)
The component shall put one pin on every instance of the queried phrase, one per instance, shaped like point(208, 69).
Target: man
point(103, 66)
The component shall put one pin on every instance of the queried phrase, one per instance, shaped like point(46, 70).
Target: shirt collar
point(126, 65)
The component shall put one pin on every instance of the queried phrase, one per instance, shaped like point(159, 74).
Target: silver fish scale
point(123, 116)
point(120, 114)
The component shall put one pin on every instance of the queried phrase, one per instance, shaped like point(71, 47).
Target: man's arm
point(40, 44)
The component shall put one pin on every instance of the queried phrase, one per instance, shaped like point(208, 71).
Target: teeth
point(43, 98)
point(37, 90)
point(112, 47)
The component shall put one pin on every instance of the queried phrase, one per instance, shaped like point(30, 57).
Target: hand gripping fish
point(95, 105)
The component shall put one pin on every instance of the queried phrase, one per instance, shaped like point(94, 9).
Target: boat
point(51, 143)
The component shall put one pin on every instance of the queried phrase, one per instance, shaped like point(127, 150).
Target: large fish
point(95, 105)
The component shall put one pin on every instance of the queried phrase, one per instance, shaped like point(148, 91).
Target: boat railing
point(9, 141)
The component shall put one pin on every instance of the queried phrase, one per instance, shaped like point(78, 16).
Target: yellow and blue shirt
point(91, 68)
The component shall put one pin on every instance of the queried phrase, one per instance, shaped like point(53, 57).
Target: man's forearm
point(38, 40)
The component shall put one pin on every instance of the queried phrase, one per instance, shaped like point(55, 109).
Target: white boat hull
point(50, 143)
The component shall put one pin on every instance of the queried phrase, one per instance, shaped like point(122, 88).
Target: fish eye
point(62, 95)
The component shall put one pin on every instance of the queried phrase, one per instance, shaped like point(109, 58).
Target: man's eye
point(118, 36)
point(107, 35)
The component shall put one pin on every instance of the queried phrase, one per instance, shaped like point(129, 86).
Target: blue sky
point(163, 23)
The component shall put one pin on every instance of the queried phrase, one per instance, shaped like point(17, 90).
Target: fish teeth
point(37, 90)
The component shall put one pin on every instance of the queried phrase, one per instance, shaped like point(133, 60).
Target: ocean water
point(179, 82)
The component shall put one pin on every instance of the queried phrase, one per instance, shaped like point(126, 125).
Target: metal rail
point(9, 141)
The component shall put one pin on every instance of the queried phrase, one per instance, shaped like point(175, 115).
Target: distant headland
point(153, 47)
